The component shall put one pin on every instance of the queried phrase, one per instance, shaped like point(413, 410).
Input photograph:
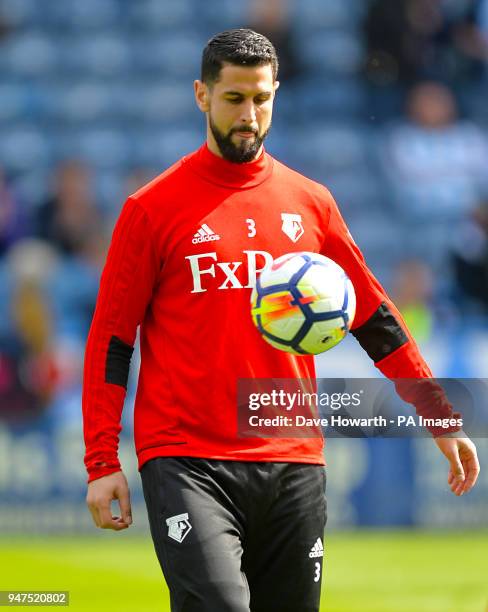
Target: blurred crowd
point(51, 255)
point(385, 102)
point(408, 40)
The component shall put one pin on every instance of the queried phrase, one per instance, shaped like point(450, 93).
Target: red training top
point(182, 261)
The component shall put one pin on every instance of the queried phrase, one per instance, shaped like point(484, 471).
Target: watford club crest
point(178, 527)
point(292, 226)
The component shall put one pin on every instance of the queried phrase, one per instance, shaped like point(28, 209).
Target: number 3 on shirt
point(251, 226)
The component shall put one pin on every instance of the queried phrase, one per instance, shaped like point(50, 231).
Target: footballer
point(237, 523)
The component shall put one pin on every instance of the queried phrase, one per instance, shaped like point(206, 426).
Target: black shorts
point(237, 536)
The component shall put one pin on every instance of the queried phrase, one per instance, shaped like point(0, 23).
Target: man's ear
point(202, 96)
point(276, 85)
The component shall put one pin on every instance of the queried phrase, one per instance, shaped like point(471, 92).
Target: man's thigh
point(197, 536)
point(283, 561)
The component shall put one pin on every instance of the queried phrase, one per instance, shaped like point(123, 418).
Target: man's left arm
point(381, 331)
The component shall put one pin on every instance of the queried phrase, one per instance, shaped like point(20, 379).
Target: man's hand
point(464, 466)
point(100, 494)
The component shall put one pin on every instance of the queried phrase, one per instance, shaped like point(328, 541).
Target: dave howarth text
point(302, 421)
point(297, 399)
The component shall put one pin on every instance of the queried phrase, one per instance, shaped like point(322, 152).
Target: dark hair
point(241, 47)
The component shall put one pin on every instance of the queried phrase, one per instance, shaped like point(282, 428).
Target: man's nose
point(248, 112)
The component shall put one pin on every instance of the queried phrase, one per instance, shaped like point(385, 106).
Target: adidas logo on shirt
point(317, 550)
point(205, 234)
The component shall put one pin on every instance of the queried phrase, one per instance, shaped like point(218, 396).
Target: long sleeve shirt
point(183, 259)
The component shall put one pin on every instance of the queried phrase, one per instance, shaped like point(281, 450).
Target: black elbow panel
point(381, 334)
point(118, 361)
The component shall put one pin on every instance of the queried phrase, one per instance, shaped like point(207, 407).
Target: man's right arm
point(126, 286)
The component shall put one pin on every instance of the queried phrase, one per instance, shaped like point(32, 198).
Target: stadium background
point(387, 107)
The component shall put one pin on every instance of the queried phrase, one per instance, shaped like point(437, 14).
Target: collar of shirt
point(222, 172)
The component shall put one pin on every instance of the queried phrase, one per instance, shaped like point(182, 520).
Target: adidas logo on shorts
point(205, 234)
point(317, 550)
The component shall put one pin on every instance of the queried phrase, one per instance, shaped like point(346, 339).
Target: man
point(237, 523)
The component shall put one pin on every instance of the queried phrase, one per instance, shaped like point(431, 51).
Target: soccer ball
point(303, 303)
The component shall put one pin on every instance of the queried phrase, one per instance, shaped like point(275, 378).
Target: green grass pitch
point(373, 571)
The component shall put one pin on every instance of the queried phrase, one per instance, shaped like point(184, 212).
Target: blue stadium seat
point(110, 190)
point(358, 191)
point(167, 101)
point(430, 241)
point(332, 53)
point(161, 148)
point(72, 292)
point(278, 144)
point(86, 101)
point(102, 148)
point(101, 55)
point(332, 146)
point(45, 97)
point(34, 185)
point(21, 13)
point(378, 236)
point(311, 14)
point(23, 148)
point(78, 15)
point(221, 14)
point(177, 54)
point(436, 201)
point(325, 99)
point(31, 54)
point(155, 15)
point(287, 102)
point(14, 101)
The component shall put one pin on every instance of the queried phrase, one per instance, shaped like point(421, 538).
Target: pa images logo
point(178, 527)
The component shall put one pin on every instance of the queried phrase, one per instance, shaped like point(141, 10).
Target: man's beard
point(238, 154)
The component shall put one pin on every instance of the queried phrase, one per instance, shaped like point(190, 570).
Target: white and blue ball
point(303, 303)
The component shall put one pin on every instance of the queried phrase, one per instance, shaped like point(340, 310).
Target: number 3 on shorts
point(317, 572)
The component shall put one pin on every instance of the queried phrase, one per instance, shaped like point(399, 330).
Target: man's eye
point(234, 100)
